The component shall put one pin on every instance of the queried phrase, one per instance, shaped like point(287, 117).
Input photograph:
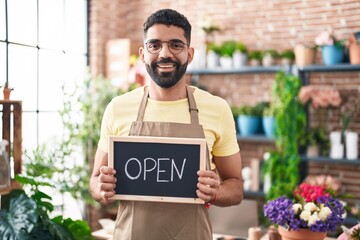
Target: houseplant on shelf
point(255, 58)
point(240, 55)
point(249, 120)
point(6, 90)
point(269, 57)
point(226, 53)
point(310, 212)
point(287, 57)
point(332, 50)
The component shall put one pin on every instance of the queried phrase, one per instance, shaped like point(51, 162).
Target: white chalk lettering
point(158, 171)
point(159, 165)
point(177, 170)
point(126, 169)
point(145, 166)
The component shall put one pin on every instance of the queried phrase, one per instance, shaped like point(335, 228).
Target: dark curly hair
point(168, 17)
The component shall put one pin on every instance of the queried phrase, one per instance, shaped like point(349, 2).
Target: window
point(43, 45)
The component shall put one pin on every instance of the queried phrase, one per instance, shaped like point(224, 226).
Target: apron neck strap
point(191, 100)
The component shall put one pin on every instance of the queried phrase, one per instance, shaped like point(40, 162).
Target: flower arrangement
point(320, 96)
point(326, 39)
point(312, 207)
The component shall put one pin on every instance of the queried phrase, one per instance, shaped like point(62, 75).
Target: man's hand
point(105, 184)
point(208, 185)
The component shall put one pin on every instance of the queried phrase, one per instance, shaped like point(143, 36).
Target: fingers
point(106, 184)
point(208, 185)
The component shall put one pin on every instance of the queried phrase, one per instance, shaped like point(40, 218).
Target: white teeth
point(165, 66)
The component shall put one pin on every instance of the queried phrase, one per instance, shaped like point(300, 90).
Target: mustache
point(167, 60)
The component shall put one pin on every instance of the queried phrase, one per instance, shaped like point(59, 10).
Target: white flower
point(324, 38)
point(297, 207)
point(305, 215)
point(310, 206)
point(324, 213)
point(313, 218)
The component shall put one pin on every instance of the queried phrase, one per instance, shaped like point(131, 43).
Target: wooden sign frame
point(163, 141)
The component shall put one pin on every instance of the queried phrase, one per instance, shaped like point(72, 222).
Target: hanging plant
point(283, 164)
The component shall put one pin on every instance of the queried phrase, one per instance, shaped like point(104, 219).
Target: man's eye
point(176, 45)
point(155, 45)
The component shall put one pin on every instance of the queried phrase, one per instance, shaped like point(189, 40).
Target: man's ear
point(191, 51)
point(141, 54)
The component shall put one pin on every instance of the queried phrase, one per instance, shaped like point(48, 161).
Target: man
point(168, 107)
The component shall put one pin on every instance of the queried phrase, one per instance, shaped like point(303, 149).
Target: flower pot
point(248, 125)
point(354, 48)
point(351, 143)
point(302, 234)
point(212, 60)
point(312, 151)
point(268, 60)
point(304, 55)
point(6, 92)
point(268, 123)
point(332, 54)
point(239, 59)
point(226, 62)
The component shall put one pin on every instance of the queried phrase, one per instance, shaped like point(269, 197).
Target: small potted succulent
point(269, 57)
point(255, 58)
point(287, 57)
point(6, 90)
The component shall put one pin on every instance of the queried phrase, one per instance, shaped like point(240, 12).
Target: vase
point(268, 123)
point(332, 54)
point(302, 234)
point(304, 55)
point(351, 143)
point(248, 125)
point(354, 48)
point(6, 93)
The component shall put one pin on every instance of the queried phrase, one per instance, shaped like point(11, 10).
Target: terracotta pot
point(304, 55)
point(354, 49)
point(302, 234)
point(6, 92)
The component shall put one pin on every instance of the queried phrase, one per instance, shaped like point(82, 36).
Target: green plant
point(250, 111)
point(211, 46)
point(282, 164)
point(272, 52)
point(239, 46)
point(255, 55)
point(313, 136)
point(235, 111)
point(26, 216)
point(288, 54)
point(227, 48)
point(270, 110)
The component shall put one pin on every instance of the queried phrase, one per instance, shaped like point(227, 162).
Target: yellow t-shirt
point(214, 115)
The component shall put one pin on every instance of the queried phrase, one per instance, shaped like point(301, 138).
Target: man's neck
point(167, 94)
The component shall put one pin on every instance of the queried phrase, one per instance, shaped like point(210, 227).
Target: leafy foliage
point(27, 217)
point(282, 164)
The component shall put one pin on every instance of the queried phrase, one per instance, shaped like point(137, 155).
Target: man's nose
point(165, 51)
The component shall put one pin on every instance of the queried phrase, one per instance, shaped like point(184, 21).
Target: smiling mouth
point(166, 67)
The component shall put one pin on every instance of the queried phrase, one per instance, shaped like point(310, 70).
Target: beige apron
point(138, 220)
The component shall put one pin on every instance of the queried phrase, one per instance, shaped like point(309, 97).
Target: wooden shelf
point(255, 138)
point(242, 70)
point(12, 131)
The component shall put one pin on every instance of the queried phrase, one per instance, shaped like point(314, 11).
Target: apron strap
point(191, 100)
point(192, 107)
point(141, 112)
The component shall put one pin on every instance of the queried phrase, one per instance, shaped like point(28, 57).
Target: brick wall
point(260, 24)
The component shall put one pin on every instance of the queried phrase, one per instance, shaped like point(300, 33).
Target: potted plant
point(236, 112)
point(315, 140)
point(287, 57)
point(255, 57)
point(249, 120)
point(269, 57)
point(268, 120)
point(309, 213)
point(240, 55)
point(304, 54)
point(226, 53)
point(213, 54)
point(332, 50)
point(6, 90)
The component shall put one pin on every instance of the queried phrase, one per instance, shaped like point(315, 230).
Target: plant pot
point(255, 62)
point(268, 60)
point(304, 55)
point(332, 54)
point(351, 143)
point(354, 49)
point(239, 59)
point(212, 60)
point(6, 93)
point(312, 151)
point(248, 125)
point(268, 123)
point(302, 234)
point(226, 62)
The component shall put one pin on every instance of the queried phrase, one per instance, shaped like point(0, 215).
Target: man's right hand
point(105, 184)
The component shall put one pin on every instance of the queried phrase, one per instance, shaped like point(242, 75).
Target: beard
point(166, 79)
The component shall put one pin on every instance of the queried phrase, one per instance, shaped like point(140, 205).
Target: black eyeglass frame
point(151, 41)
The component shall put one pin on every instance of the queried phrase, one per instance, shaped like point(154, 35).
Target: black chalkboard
point(157, 168)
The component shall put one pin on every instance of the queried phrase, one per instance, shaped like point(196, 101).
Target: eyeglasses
point(175, 46)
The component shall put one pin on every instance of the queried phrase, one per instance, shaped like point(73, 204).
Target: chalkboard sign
point(157, 168)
